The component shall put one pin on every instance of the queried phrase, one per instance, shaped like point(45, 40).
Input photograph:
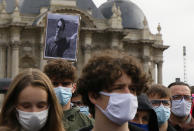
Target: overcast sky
point(176, 18)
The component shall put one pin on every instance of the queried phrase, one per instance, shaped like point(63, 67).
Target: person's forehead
point(32, 94)
point(180, 90)
point(124, 78)
point(61, 80)
point(143, 112)
point(157, 97)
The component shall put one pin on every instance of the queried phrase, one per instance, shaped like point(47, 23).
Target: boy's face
point(123, 85)
point(156, 100)
point(65, 83)
point(77, 100)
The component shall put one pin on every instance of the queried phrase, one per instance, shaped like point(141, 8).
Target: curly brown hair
point(60, 69)
point(103, 69)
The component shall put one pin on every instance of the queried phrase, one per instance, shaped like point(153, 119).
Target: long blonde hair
point(36, 78)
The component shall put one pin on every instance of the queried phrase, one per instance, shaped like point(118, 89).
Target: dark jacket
point(145, 105)
point(170, 127)
point(56, 49)
point(187, 126)
point(65, 48)
point(131, 127)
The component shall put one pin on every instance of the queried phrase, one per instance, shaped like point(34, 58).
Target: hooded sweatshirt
point(145, 105)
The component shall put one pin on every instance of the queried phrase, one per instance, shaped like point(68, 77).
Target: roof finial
point(159, 28)
point(89, 10)
point(3, 6)
point(145, 23)
point(114, 9)
point(16, 5)
point(119, 11)
point(116, 19)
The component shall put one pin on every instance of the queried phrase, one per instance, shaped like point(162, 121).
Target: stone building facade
point(118, 24)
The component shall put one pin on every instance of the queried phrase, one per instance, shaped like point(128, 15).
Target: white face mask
point(32, 121)
point(121, 107)
point(181, 108)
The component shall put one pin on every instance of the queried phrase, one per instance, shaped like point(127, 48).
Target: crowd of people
point(112, 93)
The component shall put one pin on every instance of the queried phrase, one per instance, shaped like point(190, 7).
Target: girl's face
point(141, 117)
point(32, 99)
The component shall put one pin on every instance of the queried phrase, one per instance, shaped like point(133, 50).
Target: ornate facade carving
point(28, 62)
point(15, 44)
point(116, 20)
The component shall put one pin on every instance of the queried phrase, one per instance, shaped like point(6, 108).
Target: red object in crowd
point(192, 107)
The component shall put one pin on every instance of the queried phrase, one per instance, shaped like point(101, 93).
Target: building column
point(41, 57)
point(115, 41)
point(146, 64)
point(15, 59)
point(153, 72)
point(9, 61)
point(42, 46)
point(15, 41)
point(2, 61)
point(42, 61)
point(87, 46)
point(159, 72)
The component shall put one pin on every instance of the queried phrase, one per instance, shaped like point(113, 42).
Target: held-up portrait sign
point(61, 36)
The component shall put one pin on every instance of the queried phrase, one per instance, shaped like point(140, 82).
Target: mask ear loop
point(104, 93)
point(102, 110)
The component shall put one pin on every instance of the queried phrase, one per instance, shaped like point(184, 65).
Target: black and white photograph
point(61, 36)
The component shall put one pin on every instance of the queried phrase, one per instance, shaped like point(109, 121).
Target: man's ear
point(92, 98)
point(74, 87)
point(170, 102)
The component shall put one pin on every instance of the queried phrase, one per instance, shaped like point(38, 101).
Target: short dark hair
point(178, 83)
point(192, 89)
point(75, 94)
point(63, 23)
point(60, 69)
point(103, 69)
point(158, 90)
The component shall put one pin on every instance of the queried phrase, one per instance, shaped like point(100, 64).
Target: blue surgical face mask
point(84, 110)
point(142, 126)
point(163, 113)
point(63, 94)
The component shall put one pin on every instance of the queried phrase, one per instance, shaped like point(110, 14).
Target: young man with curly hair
point(63, 76)
point(109, 85)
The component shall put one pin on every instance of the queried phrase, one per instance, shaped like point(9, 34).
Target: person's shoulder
point(82, 117)
point(170, 127)
point(88, 128)
point(71, 111)
point(85, 117)
point(192, 122)
point(51, 40)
